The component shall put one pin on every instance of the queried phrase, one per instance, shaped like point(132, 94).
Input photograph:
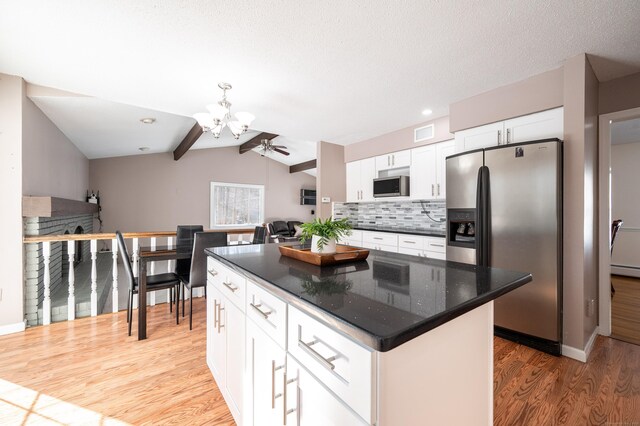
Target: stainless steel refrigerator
point(504, 209)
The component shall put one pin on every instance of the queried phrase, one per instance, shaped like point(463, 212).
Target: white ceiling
point(339, 71)
point(625, 131)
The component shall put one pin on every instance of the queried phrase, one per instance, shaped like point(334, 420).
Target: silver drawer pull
point(437, 245)
point(274, 396)
point(286, 412)
point(377, 238)
point(409, 242)
point(326, 362)
point(264, 314)
point(213, 272)
point(230, 286)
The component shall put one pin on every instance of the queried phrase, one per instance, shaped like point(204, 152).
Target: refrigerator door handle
point(482, 217)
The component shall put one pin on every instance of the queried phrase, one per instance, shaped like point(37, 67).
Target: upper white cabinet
point(541, 125)
point(395, 160)
point(545, 124)
point(360, 175)
point(428, 170)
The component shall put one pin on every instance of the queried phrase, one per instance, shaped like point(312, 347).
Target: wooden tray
point(343, 254)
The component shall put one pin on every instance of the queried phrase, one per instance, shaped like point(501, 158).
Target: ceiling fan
point(267, 146)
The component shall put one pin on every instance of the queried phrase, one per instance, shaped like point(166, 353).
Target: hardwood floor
point(90, 372)
point(91, 364)
point(625, 309)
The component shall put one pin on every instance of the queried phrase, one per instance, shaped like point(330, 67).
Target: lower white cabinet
point(309, 403)
point(265, 378)
point(225, 348)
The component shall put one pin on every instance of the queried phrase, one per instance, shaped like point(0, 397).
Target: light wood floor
point(90, 372)
point(625, 309)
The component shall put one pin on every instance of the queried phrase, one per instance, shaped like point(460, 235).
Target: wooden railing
point(70, 239)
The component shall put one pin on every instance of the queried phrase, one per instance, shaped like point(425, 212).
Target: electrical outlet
point(0, 294)
point(591, 307)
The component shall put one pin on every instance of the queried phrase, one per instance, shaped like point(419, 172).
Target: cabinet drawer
point(435, 255)
point(338, 362)
point(231, 284)
point(380, 238)
point(411, 242)
point(435, 244)
point(268, 312)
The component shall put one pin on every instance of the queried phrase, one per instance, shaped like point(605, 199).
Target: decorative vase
point(329, 247)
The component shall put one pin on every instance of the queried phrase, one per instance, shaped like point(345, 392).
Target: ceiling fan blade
point(280, 151)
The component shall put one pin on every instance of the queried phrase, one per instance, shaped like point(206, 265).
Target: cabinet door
point(541, 125)
point(265, 375)
point(443, 150)
point(480, 137)
point(401, 159)
point(423, 173)
point(217, 331)
point(367, 175)
point(383, 162)
point(353, 181)
point(234, 325)
point(309, 403)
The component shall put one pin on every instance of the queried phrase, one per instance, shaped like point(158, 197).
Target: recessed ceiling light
point(148, 120)
point(427, 112)
point(143, 148)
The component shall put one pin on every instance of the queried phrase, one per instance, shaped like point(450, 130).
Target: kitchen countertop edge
point(377, 343)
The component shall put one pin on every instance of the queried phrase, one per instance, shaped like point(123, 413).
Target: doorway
point(619, 315)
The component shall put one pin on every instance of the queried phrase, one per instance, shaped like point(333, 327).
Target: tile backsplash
point(405, 215)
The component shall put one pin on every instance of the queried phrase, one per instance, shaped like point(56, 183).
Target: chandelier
point(219, 116)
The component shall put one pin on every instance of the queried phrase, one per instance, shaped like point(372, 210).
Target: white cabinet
point(415, 245)
point(395, 160)
point(265, 375)
point(226, 336)
point(428, 170)
point(360, 175)
point(355, 239)
point(541, 125)
point(384, 241)
point(545, 124)
point(443, 150)
point(309, 403)
point(479, 137)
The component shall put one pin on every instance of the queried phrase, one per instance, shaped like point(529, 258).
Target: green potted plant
point(324, 234)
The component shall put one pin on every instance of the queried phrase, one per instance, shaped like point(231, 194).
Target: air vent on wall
point(423, 133)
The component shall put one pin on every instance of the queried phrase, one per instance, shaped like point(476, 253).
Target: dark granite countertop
point(383, 301)
point(403, 231)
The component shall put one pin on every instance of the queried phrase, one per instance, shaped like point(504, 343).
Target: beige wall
point(396, 141)
point(625, 203)
point(153, 192)
point(11, 304)
point(619, 94)
point(537, 93)
point(331, 176)
point(52, 165)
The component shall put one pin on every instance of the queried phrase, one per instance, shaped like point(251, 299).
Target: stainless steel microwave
point(393, 186)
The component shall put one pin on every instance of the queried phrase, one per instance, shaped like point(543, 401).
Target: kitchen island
point(395, 339)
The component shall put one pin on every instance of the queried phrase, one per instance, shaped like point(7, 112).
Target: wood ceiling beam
point(300, 167)
point(255, 141)
point(188, 141)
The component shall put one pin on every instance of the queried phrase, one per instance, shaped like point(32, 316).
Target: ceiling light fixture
point(148, 120)
point(427, 112)
point(219, 116)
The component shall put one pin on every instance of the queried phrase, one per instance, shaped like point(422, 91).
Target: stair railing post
point(46, 303)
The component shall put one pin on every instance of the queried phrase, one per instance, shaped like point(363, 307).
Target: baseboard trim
point(627, 271)
point(581, 355)
point(12, 328)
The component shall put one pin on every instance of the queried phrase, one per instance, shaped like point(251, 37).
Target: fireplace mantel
point(55, 207)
